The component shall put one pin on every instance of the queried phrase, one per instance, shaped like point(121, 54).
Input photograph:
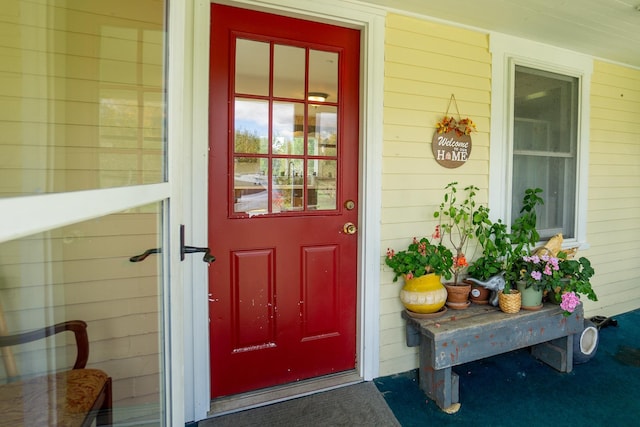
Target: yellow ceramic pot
point(424, 294)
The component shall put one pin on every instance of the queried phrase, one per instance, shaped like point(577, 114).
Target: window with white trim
point(540, 135)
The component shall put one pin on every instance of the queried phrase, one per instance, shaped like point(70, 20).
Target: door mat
point(355, 405)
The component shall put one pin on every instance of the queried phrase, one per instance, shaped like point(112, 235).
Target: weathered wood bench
point(461, 336)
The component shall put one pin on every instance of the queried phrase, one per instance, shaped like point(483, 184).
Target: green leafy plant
point(420, 258)
point(456, 222)
point(502, 249)
point(523, 235)
point(573, 276)
point(494, 240)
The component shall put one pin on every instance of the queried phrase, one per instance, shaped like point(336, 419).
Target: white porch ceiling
point(608, 29)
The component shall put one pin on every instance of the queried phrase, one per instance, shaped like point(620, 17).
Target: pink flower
point(536, 275)
point(390, 253)
point(408, 276)
point(569, 301)
point(436, 234)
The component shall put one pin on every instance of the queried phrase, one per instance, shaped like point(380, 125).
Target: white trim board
point(508, 51)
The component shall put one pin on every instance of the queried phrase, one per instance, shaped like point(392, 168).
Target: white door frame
point(370, 21)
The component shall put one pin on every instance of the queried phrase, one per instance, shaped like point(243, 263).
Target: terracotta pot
point(424, 294)
point(510, 302)
point(458, 295)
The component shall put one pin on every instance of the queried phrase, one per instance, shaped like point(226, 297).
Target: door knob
point(349, 228)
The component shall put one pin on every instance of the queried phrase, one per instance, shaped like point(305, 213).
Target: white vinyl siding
point(425, 62)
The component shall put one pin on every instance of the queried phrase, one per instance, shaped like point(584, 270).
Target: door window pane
point(288, 183)
point(251, 185)
point(82, 97)
point(82, 272)
point(323, 73)
point(323, 130)
point(288, 72)
point(252, 67)
point(324, 184)
point(288, 122)
point(285, 152)
point(545, 135)
point(251, 126)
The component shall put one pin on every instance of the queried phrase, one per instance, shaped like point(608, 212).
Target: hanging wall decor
point(451, 143)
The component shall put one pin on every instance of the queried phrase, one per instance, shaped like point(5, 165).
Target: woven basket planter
point(511, 302)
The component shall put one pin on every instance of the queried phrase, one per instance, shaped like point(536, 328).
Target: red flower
point(436, 234)
point(390, 253)
point(460, 261)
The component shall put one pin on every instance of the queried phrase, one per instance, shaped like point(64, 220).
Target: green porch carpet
point(514, 389)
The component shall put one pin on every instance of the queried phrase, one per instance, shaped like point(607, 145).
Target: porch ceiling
point(608, 29)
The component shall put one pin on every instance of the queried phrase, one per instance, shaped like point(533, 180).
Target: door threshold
point(268, 396)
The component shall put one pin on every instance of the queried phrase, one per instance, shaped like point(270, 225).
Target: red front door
point(283, 199)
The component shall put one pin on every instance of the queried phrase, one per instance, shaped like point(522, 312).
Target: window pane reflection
point(252, 67)
point(285, 152)
point(323, 73)
point(288, 72)
point(323, 132)
point(251, 185)
point(545, 130)
point(321, 186)
point(288, 183)
point(83, 272)
point(251, 126)
point(83, 97)
point(288, 122)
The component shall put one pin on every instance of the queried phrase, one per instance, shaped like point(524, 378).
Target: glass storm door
point(282, 199)
point(84, 185)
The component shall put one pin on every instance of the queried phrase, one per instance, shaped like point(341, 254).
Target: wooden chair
point(70, 398)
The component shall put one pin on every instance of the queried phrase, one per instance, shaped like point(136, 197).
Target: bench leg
point(440, 385)
point(412, 335)
point(557, 353)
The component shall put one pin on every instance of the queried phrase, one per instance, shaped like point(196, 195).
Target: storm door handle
point(208, 258)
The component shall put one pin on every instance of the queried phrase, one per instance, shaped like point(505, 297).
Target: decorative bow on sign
point(451, 143)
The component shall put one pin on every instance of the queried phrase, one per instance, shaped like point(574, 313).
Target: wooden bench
point(461, 336)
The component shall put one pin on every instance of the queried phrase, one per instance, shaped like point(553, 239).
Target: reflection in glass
point(288, 183)
point(323, 73)
point(82, 271)
point(83, 97)
point(298, 141)
point(251, 185)
point(323, 133)
point(288, 72)
point(545, 146)
point(288, 122)
point(321, 184)
point(252, 67)
point(251, 125)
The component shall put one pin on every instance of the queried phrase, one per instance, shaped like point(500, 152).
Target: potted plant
point(456, 224)
point(486, 272)
point(537, 273)
point(502, 249)
point(573, 279)
point(421, 265)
